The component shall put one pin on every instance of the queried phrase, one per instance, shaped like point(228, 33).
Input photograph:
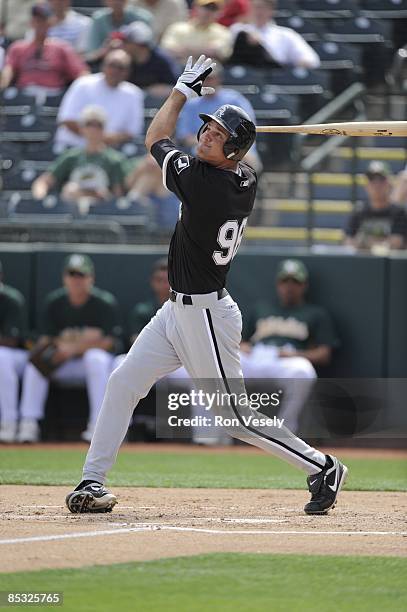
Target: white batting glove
point(190, 83)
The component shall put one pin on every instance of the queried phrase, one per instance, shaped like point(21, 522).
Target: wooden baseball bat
point(351, 128)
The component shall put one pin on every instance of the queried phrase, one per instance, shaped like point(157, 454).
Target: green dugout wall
point(366, 296)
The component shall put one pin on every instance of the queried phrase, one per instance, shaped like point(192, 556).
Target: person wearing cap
point(95, 172)
point(377, 224)
point(259, 41)
point(164, 12)
point(13, 357)
point(288, 339)
point(106, 21)
point(200, 34)
point(151, 68)
point(122, 102)
point(188, 123)
point(42, 64)
point(81, 326)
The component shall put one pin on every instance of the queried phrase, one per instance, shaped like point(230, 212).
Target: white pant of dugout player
point(205, 339)
point(93, 369)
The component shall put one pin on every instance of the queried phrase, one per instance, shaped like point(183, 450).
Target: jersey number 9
point(229, 238)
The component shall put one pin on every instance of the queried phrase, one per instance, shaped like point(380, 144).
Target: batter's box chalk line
point(145, 527)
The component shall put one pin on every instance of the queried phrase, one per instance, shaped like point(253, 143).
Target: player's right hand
point(190, 83)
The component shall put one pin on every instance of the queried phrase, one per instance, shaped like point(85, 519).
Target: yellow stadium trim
point(398, 154)
point(293, 233)
point(322, 206)
point(337, 179)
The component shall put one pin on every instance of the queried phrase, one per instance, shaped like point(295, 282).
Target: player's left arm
point(188, 86)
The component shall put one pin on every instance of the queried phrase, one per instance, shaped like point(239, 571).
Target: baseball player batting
point(200, 325)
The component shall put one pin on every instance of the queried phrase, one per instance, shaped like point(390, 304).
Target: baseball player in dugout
point(80, 335)
point(200, 325)
point(13, 357)
point(288, 340)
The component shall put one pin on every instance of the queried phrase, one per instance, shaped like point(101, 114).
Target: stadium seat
point(14, 97)
point(274, 109)
point(374, 39)
point(245, 79)
point(342, 62)
point(310, 29)
point(311, 85)
point(22, 174)
point(327, 9)
point(385, 9)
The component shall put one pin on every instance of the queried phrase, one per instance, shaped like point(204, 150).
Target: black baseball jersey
point(215, 206)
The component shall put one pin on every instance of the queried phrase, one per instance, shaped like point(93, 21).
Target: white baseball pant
point(205, 339)
point(12, 364)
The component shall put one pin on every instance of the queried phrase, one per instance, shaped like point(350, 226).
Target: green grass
point(195, 469)
point(227, 583)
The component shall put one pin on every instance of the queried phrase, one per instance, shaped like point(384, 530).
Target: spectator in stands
point(16, 22)
point(233, 11)
point(262, 42)
point(13, 357)
point(146, 187)
point(95, 172)
point(109, 20)
point(288, 340)
point(165, 12)
point(69, 25)
point(377, 223)
point(81, 332)
point(399, 193)
point(200, 34)
point(189, 121)
point(152, 69)
point(122, 102)
point(41, 64)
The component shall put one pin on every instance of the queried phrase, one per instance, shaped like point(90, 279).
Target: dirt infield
point(36, 530)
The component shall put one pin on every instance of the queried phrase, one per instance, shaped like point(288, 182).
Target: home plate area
point(36, 529)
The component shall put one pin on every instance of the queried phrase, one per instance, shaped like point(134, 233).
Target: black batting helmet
point(240, 127)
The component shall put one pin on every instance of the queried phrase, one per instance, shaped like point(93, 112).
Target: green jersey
point(91, 171)
point(141, 314)
point(12, 313)
point(101, 311)
point(302, 327)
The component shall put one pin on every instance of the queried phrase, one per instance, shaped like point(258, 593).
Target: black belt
point(187, 300)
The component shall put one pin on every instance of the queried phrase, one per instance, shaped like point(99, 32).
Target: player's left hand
point(190, 83)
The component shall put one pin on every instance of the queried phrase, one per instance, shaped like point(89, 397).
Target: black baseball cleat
point(325, 486)
point(90, 496)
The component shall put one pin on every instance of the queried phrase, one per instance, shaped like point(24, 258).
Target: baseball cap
point(41, 10)
point(292, 268)
point(93, 113)
point(138, 32)
point(79, 263)
point(377, 168)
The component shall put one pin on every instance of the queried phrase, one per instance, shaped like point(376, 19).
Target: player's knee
point(302, 368)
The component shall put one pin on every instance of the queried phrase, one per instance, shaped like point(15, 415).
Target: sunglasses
point(116, 65)
point(94, 124)
point(76, 274)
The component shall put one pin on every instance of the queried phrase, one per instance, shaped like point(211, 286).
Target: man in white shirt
point(68, 25)
point(262, 41)
point(122, 102)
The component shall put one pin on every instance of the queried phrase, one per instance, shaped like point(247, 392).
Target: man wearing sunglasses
point(122, 102)
point(89, 175)
point(377, 224)
point(80, 334)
